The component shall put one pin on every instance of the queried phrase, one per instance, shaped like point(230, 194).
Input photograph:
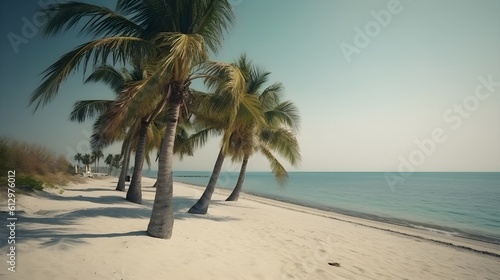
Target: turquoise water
point(464, 204)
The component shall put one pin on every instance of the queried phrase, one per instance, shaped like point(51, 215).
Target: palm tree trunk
point(236, 192)
point(201, 207)
point(134, 193)
point(161, 223)
point(123, 172)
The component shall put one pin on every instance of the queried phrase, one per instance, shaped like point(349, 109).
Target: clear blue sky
point(372, 79)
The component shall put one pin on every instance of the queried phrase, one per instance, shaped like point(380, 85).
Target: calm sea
point(462, 204)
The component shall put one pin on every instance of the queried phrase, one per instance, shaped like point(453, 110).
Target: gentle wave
point(459, 204)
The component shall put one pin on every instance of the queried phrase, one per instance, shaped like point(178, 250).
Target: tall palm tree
point(277, 133)
point(196, 24)
point(245, 136)
point(173, 36)
point(121, 115)
point(214, 116)
point(78, 158)
point(114, 122)
point(109, 161)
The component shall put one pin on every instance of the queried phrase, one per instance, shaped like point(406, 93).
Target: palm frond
point(271, 96)
point(223, 77)
point(243, 141)
point(249, 111)
point(156, 130)
point(144, 105)
point(182, 144)
point(199, 138)
point(110, 76)
point(282, 141)
point(285, 113)
point(87, 109)
point(278, 170)
point(151, 15)
point(101, 137)
point(213, 18)
point(101, 20)
point(228, 83)
point(257, 78)
point(119, 48)
point(185, 51)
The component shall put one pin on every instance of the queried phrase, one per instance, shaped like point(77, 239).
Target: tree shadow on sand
point(64, 240)
point(90, 189)
point(59, 227)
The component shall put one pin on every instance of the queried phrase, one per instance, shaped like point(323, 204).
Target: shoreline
point(474, 245)
point(419, 226)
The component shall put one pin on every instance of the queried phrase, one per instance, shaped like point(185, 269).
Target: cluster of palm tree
point(88, 159)
point(113, 161)
point(162, 46)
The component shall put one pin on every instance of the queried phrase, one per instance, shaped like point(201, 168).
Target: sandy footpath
point(91, 232)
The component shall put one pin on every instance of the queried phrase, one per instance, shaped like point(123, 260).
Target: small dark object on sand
point(334, 264)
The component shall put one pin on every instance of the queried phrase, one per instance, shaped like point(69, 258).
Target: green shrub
point(29, 183)
point(49, 186)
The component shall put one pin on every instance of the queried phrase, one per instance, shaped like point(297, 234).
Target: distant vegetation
point(35, 166)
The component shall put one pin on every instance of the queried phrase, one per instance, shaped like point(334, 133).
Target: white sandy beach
point(91, 232)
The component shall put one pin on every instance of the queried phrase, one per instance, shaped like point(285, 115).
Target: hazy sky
point(381, 85)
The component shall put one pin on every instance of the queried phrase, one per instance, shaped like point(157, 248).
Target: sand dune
point(91, 232)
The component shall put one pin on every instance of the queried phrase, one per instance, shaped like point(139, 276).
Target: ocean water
point(462, 204)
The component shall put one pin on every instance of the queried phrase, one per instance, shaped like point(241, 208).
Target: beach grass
point(35, 166)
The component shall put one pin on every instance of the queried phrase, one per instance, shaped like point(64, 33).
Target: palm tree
point(126, 151)
point(97, 155)
point(247, 137)
point(113, 123)
point(173, 37)
point(116, 161)
point(78, 158)
point(124, 112)
point(276, 134)
point(82, 110)
point(212, 113)
point(87, 161)
point(109, 161)
point(121, 115)
point(198, 23)
point(265, 140)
